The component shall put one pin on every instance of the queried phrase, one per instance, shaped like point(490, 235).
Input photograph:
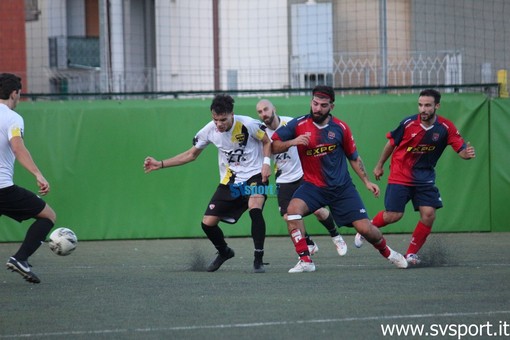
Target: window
point(31, 10)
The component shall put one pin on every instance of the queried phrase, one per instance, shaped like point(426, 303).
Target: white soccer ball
point(63, 241)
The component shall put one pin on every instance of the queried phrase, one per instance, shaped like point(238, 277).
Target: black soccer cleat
point(23, 268)
point(220, 259)
point(258, 266)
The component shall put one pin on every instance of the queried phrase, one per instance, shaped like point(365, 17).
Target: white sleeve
point(255, 129)
point(201, 139)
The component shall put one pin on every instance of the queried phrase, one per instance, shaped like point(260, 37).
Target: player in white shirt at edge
point(16, 202)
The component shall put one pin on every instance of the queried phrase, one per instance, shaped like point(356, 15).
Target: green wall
point(92, 154)
point(500, 164)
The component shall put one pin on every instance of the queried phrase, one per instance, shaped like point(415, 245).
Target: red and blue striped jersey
point(418, 148)
point(324, 159)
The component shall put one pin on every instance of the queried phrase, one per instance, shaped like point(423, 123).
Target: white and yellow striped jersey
point(240, 151)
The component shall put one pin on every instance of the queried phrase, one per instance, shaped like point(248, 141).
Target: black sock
point(329, 224)
point(258, 228)
point(34, 237)
point(308, 239)
point(215, 235)
point(258, 254)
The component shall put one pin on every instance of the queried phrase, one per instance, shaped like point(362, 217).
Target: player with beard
point(289, 177)
point(415, 147)
point(325, 145)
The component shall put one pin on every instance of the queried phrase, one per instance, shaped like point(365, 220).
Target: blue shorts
point(397, 196)
point(344, 202)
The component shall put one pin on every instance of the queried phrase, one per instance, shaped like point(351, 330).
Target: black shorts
point(229, 202)
point(19, 203)
point(285, 193)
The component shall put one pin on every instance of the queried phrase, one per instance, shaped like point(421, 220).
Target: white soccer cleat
point(303, 266)
point(313, 248)
point(397, 259)
point(358, 240)
point(341, 246)
point(413, 259)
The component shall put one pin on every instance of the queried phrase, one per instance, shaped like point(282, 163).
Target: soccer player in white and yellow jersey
point(244, 152)
point(16, 202)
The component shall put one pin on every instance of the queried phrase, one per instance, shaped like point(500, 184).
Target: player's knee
point(297, 207)
point(392, 217)
point(321, 214)
point(209, 220)
point(48, 213)
point(371, 233)
point(256, 202)
point(428, 217)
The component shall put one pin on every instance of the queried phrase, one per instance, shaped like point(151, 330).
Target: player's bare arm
point(385, 154)
point(468, 152)
point(24, 157)
point(151, 164)
point(279, 146)
point(266, 166)
point(358, 167)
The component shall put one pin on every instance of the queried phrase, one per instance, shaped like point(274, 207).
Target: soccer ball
point(63, 241)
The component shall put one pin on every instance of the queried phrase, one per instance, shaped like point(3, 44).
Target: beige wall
point(355, 23)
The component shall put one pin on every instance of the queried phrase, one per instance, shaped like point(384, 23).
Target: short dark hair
point(431, 93)
point(222, 103)
point(8, 83)
point(323, 91)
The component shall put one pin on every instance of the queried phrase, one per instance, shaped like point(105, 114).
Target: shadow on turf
point(198, 262)
point(436, 254)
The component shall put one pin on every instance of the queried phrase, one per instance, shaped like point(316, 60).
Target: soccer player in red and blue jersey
point(325, 146)
point(416, 145)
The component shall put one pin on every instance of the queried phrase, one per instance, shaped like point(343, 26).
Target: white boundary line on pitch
point(248, 325)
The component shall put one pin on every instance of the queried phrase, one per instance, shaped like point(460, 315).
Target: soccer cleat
point(358, 240)
point(258, 266)
point(23, 268)
point(413, 259)
point(341, 246)
point(397, 259)
point(220, 259)
point(313, 248)
point(303, 266)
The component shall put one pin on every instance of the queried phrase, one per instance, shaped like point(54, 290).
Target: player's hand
point(301, 140)
point(44, 186)
point(151, 164)
point(378, 172)
point(266, 172)
point(470, 151)
point(374, 188)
